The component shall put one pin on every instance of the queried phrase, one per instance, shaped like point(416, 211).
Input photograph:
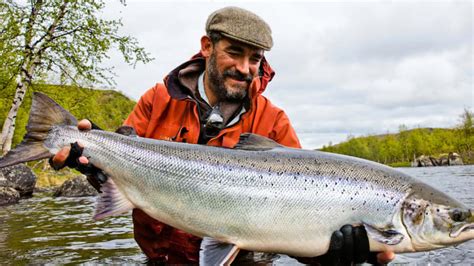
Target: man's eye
point(255, 60)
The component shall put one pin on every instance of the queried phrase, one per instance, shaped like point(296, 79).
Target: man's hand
point(59, 159)
point(71, 156)
point(350, 245)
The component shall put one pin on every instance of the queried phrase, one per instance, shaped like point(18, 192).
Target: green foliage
point(399, 149)
point(466, 134)
point(106, 108)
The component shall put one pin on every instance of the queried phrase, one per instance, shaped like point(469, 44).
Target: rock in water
point(8, 195)
point(454, 159)
point(18, 177)
point(76, 187)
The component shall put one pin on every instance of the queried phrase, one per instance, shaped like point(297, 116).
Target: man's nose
point(243, 66)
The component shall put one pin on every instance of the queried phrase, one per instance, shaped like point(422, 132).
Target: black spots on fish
point(295, 177)
point(265, 160)
point(326, 185)
point(437, 210)
point(280, 173)
point(365, 202)
point(250, 198)
point(353, 209)
point(252, 164)
point(352, 198)
point(307, 168)
point(260, 176)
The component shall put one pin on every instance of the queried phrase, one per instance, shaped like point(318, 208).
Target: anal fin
point(111, 201)
point(214, 252)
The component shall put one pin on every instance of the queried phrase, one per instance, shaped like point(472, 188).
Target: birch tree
point(65, 37)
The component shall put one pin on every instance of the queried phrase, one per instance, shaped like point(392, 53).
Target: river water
point(46, 230)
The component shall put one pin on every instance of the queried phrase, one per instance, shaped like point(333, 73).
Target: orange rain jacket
point(169, 112)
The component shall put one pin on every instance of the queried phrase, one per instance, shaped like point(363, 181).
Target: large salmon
point(258, 196)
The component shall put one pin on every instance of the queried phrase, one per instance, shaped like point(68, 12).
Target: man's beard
point(217, 82)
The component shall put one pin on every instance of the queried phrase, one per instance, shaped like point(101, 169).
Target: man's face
point(231, 67)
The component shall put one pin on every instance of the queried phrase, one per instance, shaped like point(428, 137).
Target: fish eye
point(458, 215)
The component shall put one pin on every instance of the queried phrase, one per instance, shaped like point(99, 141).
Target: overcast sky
point(342, 68)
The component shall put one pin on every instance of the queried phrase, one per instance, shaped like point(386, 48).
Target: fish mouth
point(457, 230)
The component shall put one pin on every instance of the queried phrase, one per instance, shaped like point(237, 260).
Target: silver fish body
point(280, 200)
point(268, 198)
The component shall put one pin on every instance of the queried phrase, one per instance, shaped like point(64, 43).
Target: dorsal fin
point(253, 142)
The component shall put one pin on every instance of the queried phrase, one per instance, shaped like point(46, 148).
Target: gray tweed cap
point(241, 25)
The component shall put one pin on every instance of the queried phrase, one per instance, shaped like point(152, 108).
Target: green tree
point(465, 132)
point(66, 37)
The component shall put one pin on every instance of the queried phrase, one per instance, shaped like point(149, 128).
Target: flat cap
point(241, 25)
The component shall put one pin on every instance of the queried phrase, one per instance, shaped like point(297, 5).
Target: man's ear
point(206, 46)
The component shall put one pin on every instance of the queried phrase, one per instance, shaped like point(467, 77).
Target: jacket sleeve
point(140, 117)
point(283, 132)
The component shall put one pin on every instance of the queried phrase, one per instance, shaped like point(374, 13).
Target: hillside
point(399, 149)
point(106, 108)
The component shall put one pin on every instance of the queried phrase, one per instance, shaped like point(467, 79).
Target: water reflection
point(50, 230)
point(47, 230)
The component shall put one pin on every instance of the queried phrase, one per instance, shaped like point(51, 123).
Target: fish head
point(433, 225)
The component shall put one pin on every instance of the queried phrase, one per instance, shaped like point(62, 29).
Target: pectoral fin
point(214, 252)
point(387, 236)
point(111, 201)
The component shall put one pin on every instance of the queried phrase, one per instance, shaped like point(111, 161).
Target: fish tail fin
point(44, 114)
